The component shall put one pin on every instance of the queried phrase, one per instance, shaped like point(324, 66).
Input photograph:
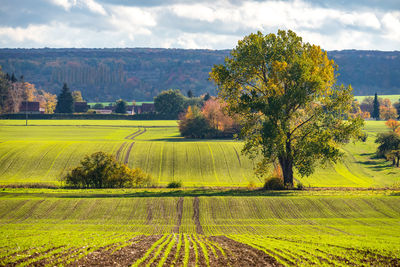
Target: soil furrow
point(243, 254)
point(196, 216)
point(179, 209)
point(122, 257)
point(120, 150)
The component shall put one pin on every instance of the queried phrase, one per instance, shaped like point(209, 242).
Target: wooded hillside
point(141, 73)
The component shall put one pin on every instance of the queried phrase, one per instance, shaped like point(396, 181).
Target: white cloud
point(391, 22)
point(94, 7)
point(66, 4)
point(206, 24)
point(132, 20)
point(91, 5)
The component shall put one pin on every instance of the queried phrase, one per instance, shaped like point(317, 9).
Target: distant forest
point(142, 73)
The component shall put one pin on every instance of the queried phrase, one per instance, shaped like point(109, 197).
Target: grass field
point(392, 98)
point(148, 227)
point(44, 151)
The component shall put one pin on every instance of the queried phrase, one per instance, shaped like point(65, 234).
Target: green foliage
point(101, 170)
point(376, 111)
point(120, 106)
point(98, 106)
point(389, 146)
point(284, 91)
point(174, 184)
point(274, 183)
point(65, 101)
point(170, 103)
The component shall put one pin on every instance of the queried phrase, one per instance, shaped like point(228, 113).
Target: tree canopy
point(284, 91)
point(121, 107)
point(170, 103)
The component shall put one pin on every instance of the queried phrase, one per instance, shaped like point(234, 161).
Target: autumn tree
point(77, 96)
point(65, 101)
point(284, 91)
point(393, 125)
point(4, 89)
point(367, 104)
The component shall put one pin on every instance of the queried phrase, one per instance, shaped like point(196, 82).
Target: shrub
point(274, 183)
point(174, 184)
point(299, 186)
point(102, 170)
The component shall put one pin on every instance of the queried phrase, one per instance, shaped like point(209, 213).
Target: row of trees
point(13, 92)
point(377, 108)
point(171, 103)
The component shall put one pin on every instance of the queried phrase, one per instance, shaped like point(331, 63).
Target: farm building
point(81, 107)
point(31, 107)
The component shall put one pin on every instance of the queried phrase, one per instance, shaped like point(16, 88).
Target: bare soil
point(196, 216)
point(179, 209)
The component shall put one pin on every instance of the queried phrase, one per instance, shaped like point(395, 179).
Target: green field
point(149, 227)
point(392, 98)
point(44, 151)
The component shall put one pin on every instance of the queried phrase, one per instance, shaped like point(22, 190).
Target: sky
point(209, 24)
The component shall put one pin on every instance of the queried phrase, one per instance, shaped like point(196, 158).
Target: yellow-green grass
point(44, 154)
point(301, 229)
point(392, 98)
point(119, 123)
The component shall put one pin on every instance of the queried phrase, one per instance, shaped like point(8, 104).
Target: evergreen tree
point(375, 113)
point(206, 97)
point(120, 107)
point(65, 101)
point(13, 78)
point(190, 93)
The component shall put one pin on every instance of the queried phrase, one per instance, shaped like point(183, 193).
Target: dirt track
point(196, 216)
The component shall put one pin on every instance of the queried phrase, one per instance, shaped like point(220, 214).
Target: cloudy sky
point(212, 24)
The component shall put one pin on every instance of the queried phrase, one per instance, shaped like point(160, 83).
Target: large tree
point(170, 103)
point(285, 92)
point(65, 101)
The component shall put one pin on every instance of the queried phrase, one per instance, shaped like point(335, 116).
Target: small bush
point(274, 183)
point(299, 186)
point(174, 184)
point(102, 170)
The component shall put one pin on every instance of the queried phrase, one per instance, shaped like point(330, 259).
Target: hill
point(141, 73)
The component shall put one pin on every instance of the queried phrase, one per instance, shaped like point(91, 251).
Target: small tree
point(189, 93)
point(193, 124)
point(389, 144)
point(65, 101)
point(120, 106)
point(376, 111)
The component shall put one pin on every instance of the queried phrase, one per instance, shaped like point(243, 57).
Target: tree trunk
point(287, 170)
point(398, 160)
